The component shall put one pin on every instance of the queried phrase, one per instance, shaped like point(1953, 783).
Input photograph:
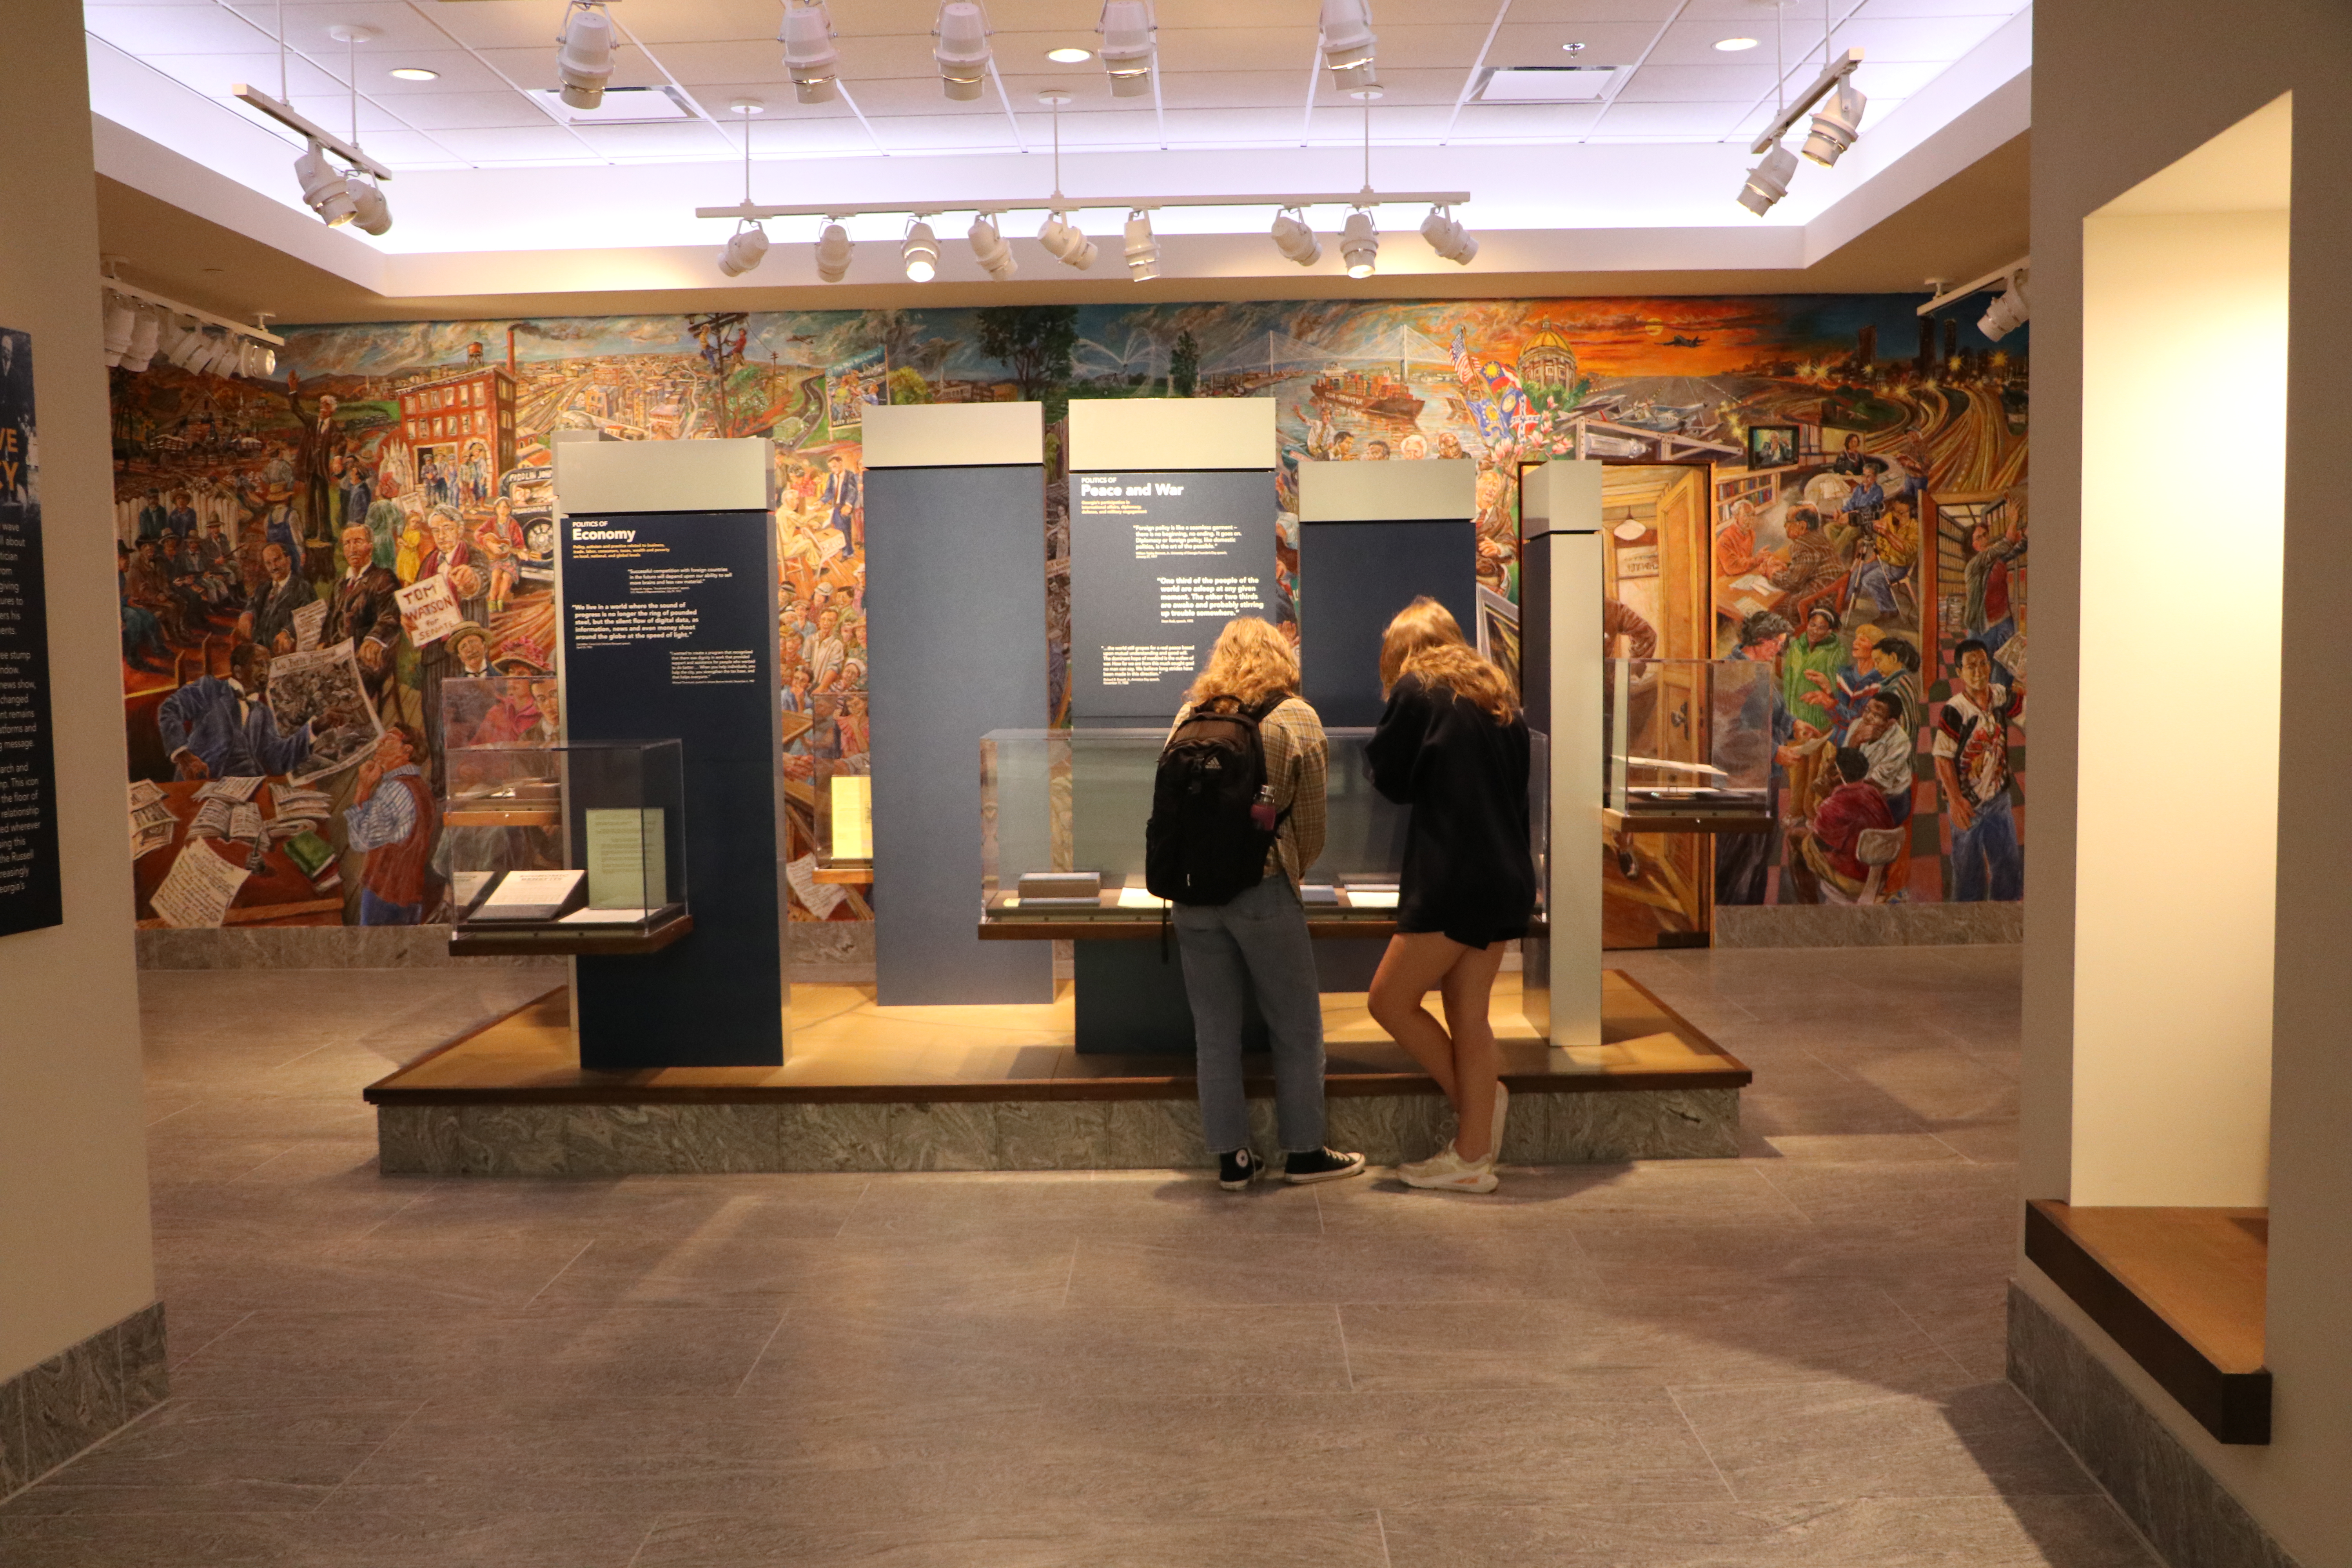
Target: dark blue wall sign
point(30, 894)
point(669, 632)
point(1159, 563)
point(1353, 577)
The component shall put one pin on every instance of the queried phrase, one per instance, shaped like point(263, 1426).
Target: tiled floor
point(1792, 1359)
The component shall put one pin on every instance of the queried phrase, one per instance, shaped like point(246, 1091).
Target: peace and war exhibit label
point(1159, 563)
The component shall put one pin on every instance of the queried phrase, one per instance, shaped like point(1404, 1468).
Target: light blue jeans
point(1257, 944)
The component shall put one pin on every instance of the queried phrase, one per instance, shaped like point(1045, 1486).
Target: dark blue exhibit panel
point(669, 632)
point(1353, 577)
point(955, 563)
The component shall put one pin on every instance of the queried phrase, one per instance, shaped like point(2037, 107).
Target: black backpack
point(1205, 843)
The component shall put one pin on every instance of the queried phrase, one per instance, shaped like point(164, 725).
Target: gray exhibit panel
point(1353, 577)
point(956, 564)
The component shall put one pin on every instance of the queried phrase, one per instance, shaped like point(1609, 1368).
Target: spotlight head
point(833, 251)
point(1296, 240)
point(1768, 182)
point(2007, 313)
point(1836, 123)
point(1127, 45)
point(920, 253)
point(1360, 245)
point(256, 360)
point(1349, 40)
point(807, 38)
point(369, 210)
point(584, 60)
point(1066, 242)
point(988, 248)
point(1448, 238)
point(962, 50)
point(744, 250)
point(144, 338)
point(180, 343)
point(121, 321)
point(205, 360)
point(1142, 249)
point(323, 189)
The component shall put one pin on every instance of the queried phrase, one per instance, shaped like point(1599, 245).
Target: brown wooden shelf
point(494, 817)
point(1143, 925)
point(547, 941)
point(1684, 822)
point(2182, 1291)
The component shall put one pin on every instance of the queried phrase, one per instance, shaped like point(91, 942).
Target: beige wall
point(2173, 950)
point(73, 1177)
point(2120, 92)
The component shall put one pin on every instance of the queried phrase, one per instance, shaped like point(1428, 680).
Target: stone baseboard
point(1867, 925)
point(600, 1141)
point(2158, 1483)
point(51, 1412)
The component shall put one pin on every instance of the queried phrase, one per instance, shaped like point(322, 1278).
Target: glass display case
point(1687, 740)
point(1059, 806)
point(548, 838)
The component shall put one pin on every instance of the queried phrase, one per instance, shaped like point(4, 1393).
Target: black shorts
point(1469, 932)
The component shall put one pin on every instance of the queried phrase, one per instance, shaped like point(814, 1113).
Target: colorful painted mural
point(306, 561)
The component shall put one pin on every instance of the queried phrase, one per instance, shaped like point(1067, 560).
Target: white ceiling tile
point(1530, 122)
point(2000, 10)
point(516, 145)
point(405, 149)
point(308, 26)
point(743, 60)
point(459, 73)
point(466, 110)
point(214, 75)
point(701, 21)
point(1698, 84)
point(1523, 43)
point(497, 24)
point(150, 29)
point(1698, 122)
point(681, 140)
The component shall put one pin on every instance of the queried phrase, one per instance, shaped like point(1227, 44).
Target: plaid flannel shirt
point(1297, 761)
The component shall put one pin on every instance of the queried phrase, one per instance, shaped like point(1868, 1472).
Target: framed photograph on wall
point(1772, 446)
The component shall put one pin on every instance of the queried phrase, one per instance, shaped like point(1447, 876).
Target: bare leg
point(1466, 987)
point(1414, 966)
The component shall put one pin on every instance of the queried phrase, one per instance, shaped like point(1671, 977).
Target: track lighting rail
point(1997, 275)
point(1365, 199)
point(295, 121)
point(1801, 105)
point(162, 303)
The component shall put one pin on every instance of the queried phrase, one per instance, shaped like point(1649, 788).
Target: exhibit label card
point(627, 864)
point(1159, 563)
point(31, 896)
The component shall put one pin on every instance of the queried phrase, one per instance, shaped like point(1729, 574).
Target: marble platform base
point(1015, 1135)
point(1867, 925)
point(2156, 1481)
point(51, 1412)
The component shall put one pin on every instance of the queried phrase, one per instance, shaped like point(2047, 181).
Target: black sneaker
point(1236, 1169)
point(1320, 1165)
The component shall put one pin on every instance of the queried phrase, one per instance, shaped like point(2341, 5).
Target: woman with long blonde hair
point(1237, 813)
point(1452, 744)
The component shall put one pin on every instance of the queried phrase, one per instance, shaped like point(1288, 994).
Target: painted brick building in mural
point(1777, 490)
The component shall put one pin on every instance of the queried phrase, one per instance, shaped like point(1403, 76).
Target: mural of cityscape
point(1828, 483)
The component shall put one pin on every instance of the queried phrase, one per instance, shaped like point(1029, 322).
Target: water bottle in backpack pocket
point(1213, 813)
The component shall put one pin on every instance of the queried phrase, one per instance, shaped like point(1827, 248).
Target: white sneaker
point(1449, 1172)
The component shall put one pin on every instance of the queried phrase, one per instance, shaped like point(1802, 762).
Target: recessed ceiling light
point(416, 73)
point(1734, 45)
point(1069, 56)
point(1573, 48)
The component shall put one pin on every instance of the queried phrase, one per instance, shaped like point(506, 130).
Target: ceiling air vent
point(1544, 84)
point(622, 106)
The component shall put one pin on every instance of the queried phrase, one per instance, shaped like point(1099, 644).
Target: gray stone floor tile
point(1036, 1536)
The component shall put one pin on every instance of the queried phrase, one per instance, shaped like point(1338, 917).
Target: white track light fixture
point(255, 359)
point(369, 210)
point(833, 253)
point(1836, 123)
point(324, 189)
point(584, 60)
point(1126, 46)
point(745, 251)
point(1360, 245)
point(988, 248)
point(962, 50)
point(180, 343)
point(1768, 182)
point(1295, 239)
point(807, 38)
point(1066, 242)
point(1349, 42)
point(1142, 248)
point(144, 339)
point(121, 321)
point(2008, 312)
point(920, 253)
point(1448, 238)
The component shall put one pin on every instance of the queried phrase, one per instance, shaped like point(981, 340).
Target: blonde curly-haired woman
point(1452, 744)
